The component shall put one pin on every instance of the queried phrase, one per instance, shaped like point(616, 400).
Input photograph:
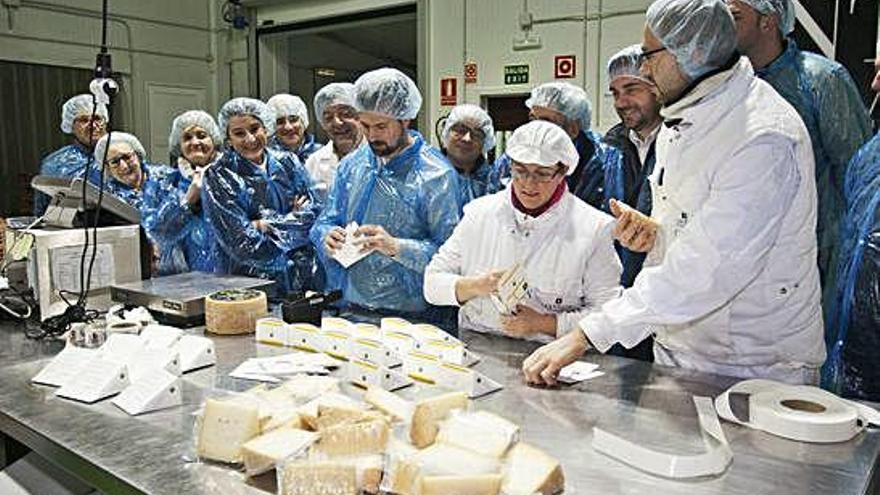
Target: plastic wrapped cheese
point(479, 431)
point(481, 484)
point(429, 412)
point(262, 453)
point(528, 470)
point(389, 403)
point(369, 437)
point(309, 477)
point(234, 311)
point(224, 427)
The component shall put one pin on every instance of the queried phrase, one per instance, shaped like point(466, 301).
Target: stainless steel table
point(150, 454)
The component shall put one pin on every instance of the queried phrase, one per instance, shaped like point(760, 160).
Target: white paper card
point(350, 252)
point(365, 373)
point(98, 380)
point(154, 390)
point(150, 360)
point(65, 365)
point(160, 336)
point(272, 331)
point(195, 352)
point(579, 371)
point(121, 347)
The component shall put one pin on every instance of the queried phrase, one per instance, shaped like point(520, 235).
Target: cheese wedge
point(483, 484)
point(263, 452)
point(528, 470)
point(309, 411)
point(318, 477)
point(389, 403)
point(448, 460)
point(225, 427)
point(429, 412)
point(370, 437)
point(480, 431)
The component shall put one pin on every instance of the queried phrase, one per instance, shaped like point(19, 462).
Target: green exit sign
point(516, 74)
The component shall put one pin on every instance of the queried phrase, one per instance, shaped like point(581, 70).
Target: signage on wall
point(448, 91)
point(470, 73)
point(564, 67)
point(516, 74)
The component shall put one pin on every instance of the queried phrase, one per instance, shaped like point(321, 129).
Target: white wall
point(482, 31)
point(172, 53)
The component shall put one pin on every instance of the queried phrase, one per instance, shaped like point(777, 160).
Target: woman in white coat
point(561, 247)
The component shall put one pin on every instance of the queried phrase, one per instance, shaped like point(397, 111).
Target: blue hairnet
point(626, 63)
point(285, 105)
point(700, 34)
point(333, 94)
point(188, 119)
point(782, 8)
point(473, 116)
point(77, 106)
point(388, 91)
point(119, 137)
point(246, 106)
point(565, 98)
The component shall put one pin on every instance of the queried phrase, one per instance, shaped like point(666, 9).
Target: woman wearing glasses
point(127, 169)
point(467, 136)
point(532, 259)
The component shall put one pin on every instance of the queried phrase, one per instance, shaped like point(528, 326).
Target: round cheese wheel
point(234, 311)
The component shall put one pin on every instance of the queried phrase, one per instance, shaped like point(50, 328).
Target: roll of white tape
point(796, 412)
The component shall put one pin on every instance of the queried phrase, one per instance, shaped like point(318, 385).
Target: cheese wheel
point(234, 311)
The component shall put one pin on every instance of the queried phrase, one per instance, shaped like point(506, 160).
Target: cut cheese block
point(389, 403)
point(309, 411)
point(225, 426)
point(262, 453)
point(307, 387)
point(401, 476)
point(277, 406)
point(369, 472)
point(528, 470)
point(484, 484)
point(429, 412)
point(318, 477)
point(481, 432)
point(334, 415)
point(353, 439)
point(234, 311)
point(449, 460)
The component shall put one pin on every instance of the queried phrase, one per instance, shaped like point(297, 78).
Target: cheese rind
point(263, 452)
point(483, 484)
point(429, 412)
point(529, 470)
point(234, 311)
point(224, 427)
point(317, 478)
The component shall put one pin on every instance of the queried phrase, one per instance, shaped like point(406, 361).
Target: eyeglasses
point(460, 130)
point(646, 55)
point(116, 160)
point(542, 176)
point(345, 113)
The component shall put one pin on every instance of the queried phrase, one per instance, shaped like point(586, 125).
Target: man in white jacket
point(734, 287)
point(536, 231)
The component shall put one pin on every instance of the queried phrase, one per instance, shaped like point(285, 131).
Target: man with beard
point(402, 194)
point(334, 106)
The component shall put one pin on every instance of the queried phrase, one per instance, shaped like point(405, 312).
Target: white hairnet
point(246, 106)
point(542, 143)
point(285, 105)
point(626, 63)
point(119, 137)
point(389, 92)
point(700, 34)
point(781, 8)
point(473, 116)
point(188, 119)
point(77, 106)
point(565, 98)
point(333, 94)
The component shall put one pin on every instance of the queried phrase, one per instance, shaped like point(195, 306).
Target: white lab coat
point(322, 165)
point(731, 286)
point(567, 254)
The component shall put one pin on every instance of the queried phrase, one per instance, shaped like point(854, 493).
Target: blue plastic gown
point(235, 193)
point(181, 232)
point(828, 101)
point(69, 161)
point(597, 178)
point(305, 150)
point(852, 368)
point(132, 196)
point(478, 183)
point(415, 198)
